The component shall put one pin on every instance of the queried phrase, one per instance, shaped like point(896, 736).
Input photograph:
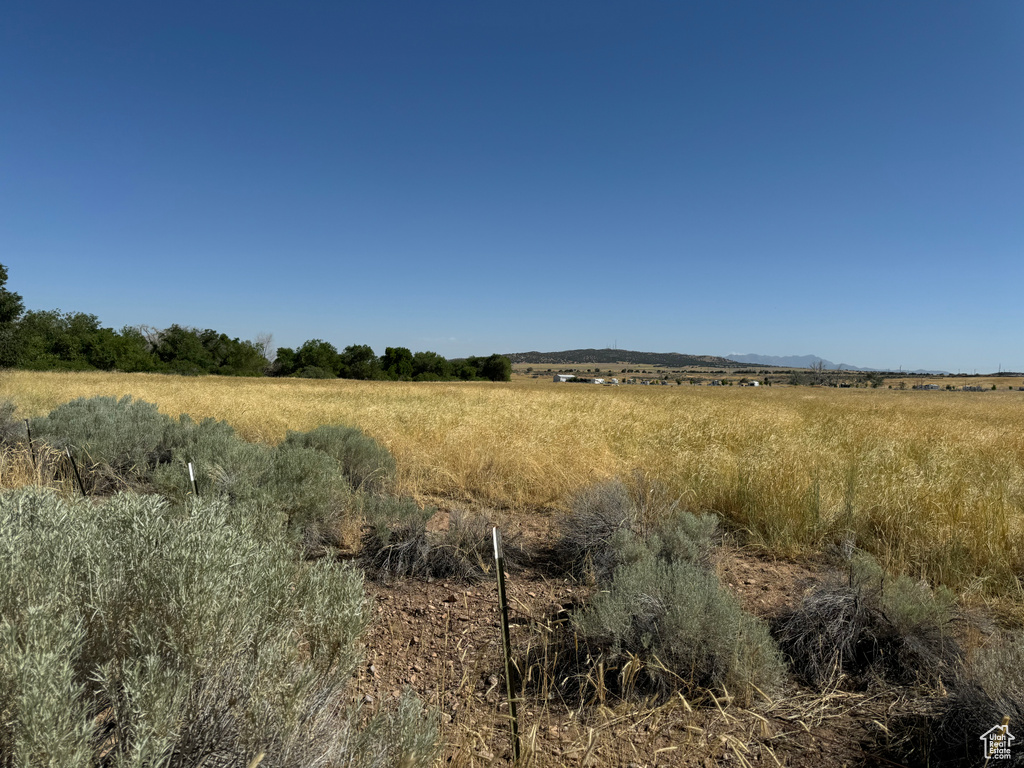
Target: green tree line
point(76, 341)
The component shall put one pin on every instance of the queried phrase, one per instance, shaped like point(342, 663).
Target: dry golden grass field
point(931, 482)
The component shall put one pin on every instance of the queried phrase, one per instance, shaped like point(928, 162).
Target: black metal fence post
point(31, 448)
point(510, 680)
point(74, 466)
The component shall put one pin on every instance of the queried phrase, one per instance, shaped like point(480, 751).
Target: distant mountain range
point(807, 361)
point(678, 360)
point(612, 356)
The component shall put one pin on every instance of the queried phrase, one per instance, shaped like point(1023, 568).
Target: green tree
point(358, 361)
point(317, 353)
point(181, 350)
point(51, 339)
point(430, 366)
point(132, 352)
point(233, 357)
point(245, 359)
point(465, 369)
point(397, 363)
point(11, 307)
point(218, 345)
point(284, 362)
point(101, 349)
point(497, 368)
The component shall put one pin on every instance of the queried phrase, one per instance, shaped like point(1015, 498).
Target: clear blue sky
point(838, 178)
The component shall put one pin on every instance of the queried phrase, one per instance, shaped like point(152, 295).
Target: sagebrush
point(606, 521)
point(312, 481)
point(140, 633)
point(863, 624)
point(659, 622)
point(396, 543)
point(367, 464)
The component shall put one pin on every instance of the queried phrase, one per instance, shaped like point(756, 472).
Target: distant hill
point(806, 361)
point(612, 356)
point(791, 361)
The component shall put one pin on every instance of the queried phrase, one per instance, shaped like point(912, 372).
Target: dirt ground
point(442, 640)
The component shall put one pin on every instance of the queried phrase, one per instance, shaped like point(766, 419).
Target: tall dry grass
point(930, 482)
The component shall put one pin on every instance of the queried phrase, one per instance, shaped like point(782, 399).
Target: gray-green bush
point(306, 488)
point(140, 633)
point(664, 625)
point(12, 430)
point(659, 621)
point(607, 520)
point(584, 544)
point(367, 464)
point(307, 480)
point(396, 543)
point(465, 550)
point(864, 624)
point(117, 442)
point(224, 464)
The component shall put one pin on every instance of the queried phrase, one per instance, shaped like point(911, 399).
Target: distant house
point(563, 377)
point(930, 386)
point(973, 388)
point(715, 383)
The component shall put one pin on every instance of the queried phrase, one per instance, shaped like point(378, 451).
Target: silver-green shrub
point(125, 437)
point(659, 621)
point(223, 463)
point(663, 625)
point(863, 625)
point(396, 543)
point(367, 464)
point(12, 429)
point(608, 521)
point(129, 444)
point(308, 493)
point(163, 635)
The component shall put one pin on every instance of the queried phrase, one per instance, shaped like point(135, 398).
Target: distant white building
point(562, 377)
